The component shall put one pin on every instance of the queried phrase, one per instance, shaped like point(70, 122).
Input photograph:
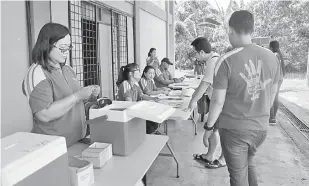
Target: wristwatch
point(208, 128)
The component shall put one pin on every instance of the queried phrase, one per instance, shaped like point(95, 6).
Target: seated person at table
point(129, 90)
point(163, 77)
point(147, 84)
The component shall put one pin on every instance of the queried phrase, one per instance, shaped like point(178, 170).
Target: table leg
point(194, 122)
point(171, 155)
point(165, 127)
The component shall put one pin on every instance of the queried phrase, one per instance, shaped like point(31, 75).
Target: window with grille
point(84, 55)
point(119, 45)
point(83, 27)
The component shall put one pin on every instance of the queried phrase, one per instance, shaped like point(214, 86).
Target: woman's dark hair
point(124, 72)
point(274, 47)
point(150, 51)
point(146, 69)
point(49, 34)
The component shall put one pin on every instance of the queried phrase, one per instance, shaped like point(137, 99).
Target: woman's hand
point(84, 93)
point(165, 92)
point(96, 90)
point(156, 99)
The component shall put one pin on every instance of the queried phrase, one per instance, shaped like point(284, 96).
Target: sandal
point(201, 158)
point(214, 165)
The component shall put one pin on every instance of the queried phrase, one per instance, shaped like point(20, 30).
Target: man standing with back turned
point(244, 88)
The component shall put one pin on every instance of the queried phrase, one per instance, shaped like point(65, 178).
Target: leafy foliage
point(285, 21)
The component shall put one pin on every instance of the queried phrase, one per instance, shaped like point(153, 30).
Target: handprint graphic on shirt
point(253, 79)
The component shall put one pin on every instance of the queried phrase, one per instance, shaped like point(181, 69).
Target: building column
point(167, 29)
point(39, 15)
point(307, 82)
point(137, 32)
point(172, 33)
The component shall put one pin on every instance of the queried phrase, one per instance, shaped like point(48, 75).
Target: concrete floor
point(279, 161)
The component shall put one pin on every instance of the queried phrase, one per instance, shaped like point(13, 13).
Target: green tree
point(287, 22)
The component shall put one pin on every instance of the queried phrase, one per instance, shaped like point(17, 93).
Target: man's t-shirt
point(165, 74)
point(209, 72)
point(248, 74)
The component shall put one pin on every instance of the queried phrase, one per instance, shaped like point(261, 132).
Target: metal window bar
point(84, 55)
point(119, 45)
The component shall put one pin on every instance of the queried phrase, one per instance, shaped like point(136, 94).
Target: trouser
point(275, 107)
point(239, 148)
point(151, 127)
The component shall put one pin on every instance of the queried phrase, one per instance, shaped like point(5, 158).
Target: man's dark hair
point(201, 43)
point(242, 22)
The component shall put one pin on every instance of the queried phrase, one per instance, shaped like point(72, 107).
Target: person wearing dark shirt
point(274, 47)
point(244, 87)
point(163, 77)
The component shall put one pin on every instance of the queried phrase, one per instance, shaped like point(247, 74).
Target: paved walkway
point(279, 161)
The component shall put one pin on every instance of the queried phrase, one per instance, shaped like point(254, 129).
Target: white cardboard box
point(125, 126)
point(98, 154)
point(81, 172)
point(152, 111)
point(30, 159)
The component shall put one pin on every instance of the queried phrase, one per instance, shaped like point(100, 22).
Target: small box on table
point(98, 154)
point(81, 172)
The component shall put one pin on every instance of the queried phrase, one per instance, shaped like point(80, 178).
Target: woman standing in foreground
point(54, 94)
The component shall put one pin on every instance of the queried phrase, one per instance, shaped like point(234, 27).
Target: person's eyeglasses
point(64, 49)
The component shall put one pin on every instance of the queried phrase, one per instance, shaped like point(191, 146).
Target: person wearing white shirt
point(204, 53)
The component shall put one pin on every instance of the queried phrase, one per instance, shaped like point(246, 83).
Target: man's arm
point(220, 85)
point(198, 93)
point(163, 81)
point(216, 105)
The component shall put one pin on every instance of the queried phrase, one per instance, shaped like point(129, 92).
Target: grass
point(293, 82)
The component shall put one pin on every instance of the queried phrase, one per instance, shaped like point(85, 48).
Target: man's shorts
point(216, 126)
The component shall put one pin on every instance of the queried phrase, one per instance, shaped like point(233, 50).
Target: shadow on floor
point(279, 161)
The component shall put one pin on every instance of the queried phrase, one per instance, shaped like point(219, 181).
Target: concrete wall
point(60, 12)
point(15, 111)
point(152, 35)
point(40, 15)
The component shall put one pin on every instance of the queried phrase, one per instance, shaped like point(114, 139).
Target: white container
point(31, 159)
point(187, 92)
point(125, 126)
point(98, 154)
point(81, 172)
point(152, 111)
